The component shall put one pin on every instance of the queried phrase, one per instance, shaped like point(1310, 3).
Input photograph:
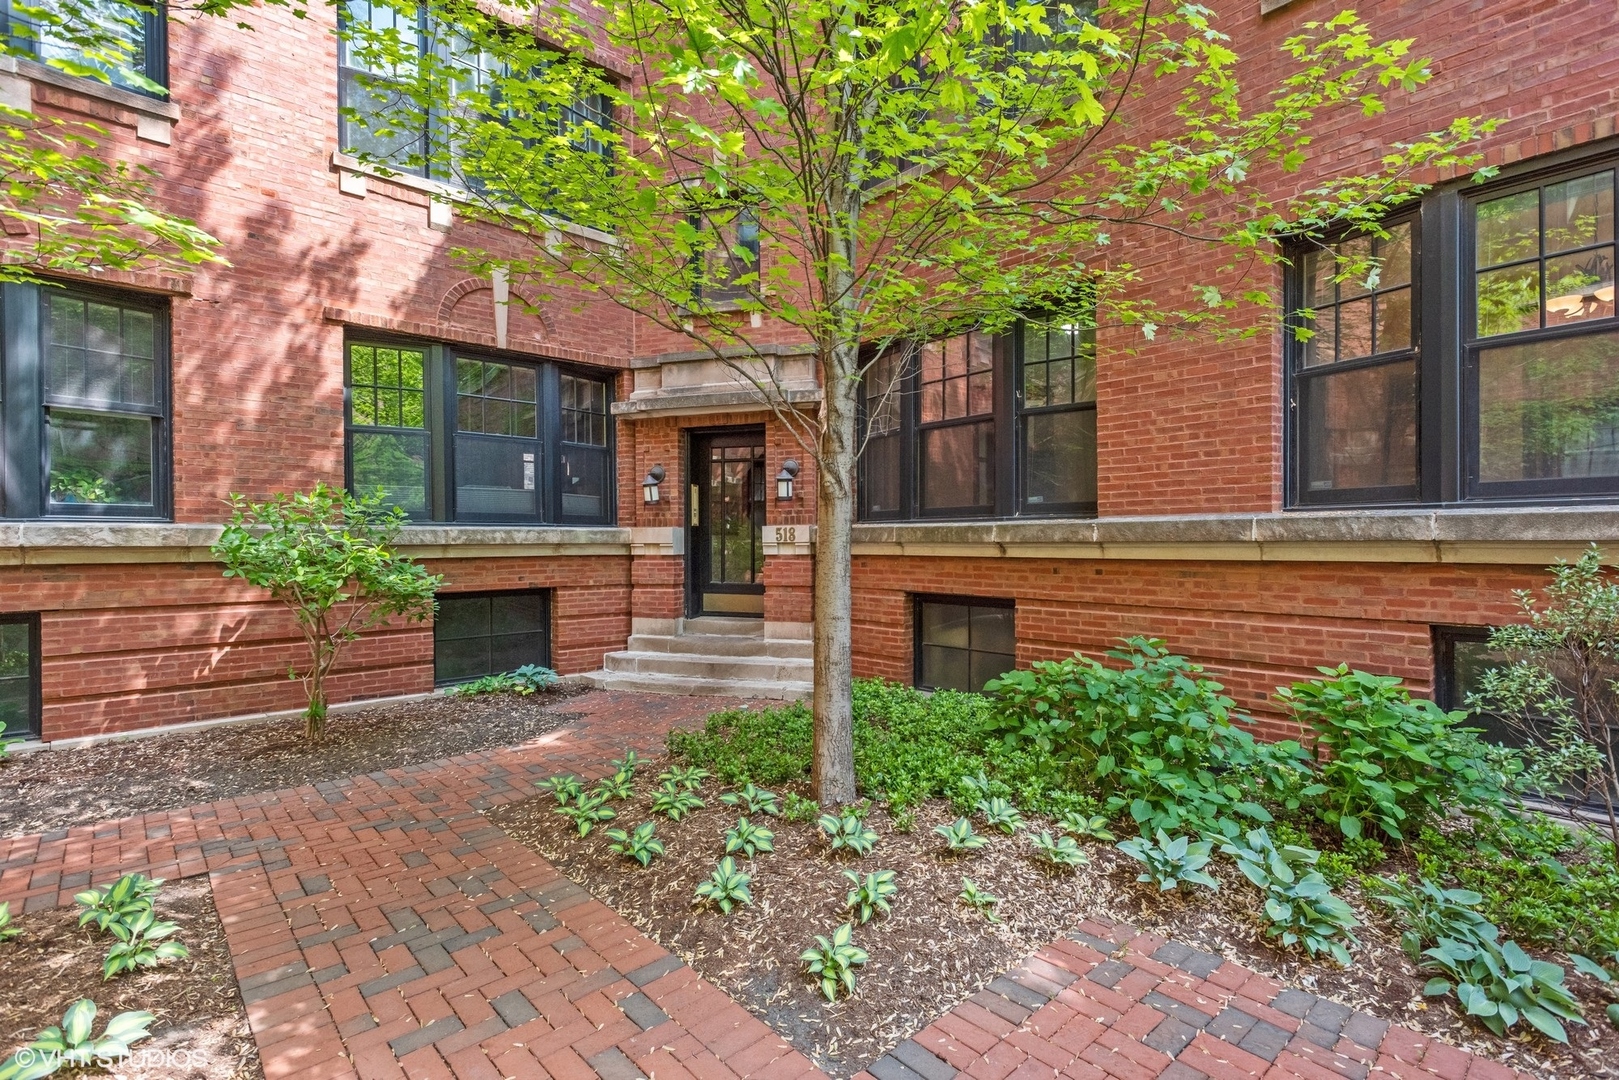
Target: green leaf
point(77, 1021)
point(1586, 966)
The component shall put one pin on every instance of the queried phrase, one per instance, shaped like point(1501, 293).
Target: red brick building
point(1263, 507)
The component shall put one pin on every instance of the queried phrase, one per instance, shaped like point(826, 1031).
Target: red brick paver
point(382, 928)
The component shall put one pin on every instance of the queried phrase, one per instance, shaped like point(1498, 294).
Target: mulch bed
point(57, 789)
point(933, 951)
point(201, 1031)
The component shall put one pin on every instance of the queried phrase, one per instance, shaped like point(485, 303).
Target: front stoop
point(711, 655)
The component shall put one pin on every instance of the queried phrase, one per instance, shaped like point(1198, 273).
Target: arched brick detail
point(521, 307)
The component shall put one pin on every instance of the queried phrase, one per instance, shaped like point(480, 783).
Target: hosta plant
point(833, 961)
point(1426, 912)
point(7, 930)
point(587, 812)
point(564, 788)
point(119, 902)
point(689, 777)
point(847, 832)
point(978, 899)
point(1001, 814)
point(628, 763)
point(621, 785)
point(640, 845)
point(1059, 851)
point(959, 836)
point(748, 838)
point(1171, 863)
point(755, 800)
point(143, 941)
point(871, 894)
point(1300, 908)
point(726, 886)
point(674, 800)
point(75, 1044)
point(1088, 826)
point(1500, 984)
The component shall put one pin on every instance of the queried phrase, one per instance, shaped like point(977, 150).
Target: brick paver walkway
point(381, 927)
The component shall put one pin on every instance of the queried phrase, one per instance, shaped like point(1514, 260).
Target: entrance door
point(727, 517)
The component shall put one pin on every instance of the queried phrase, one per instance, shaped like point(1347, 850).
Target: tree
point(1558, 689)
point(328, 556)
point(913, 168)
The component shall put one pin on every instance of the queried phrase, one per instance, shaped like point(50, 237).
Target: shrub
point(1151, 736)
point(141, 944)
point(748, 838)
point(871, 894)
point(1386, 759)
point(978, 899)
point(641, 845)
point(1060, 851)
point(833, 961)
point(329, 557)
point(847, 832)
point(959, 836)
point(75, 1045)
point(755, 800)
point(523, 681)
point(1171, 863)
point(726, 886)
point(675, 801)
point(1300, 908)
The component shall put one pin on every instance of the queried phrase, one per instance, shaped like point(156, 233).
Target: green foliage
point(329, 557)
point(847, 831)
point(1086, 826)
point(587, 811)
point(833, 961)
point(748, 838)
point(871, 894)
point(690, 777)
point(674, 800)
point(640, 845)
point(621, 785)
point(75, 1044)
point(141, 943)
point(959, 836)
point(903, 819)
point(1336, 867)
point(523, 681)
point(1171, 863)
point(8, 932)
point(5, 748)
point(1151, 736)
point(121, 902)
point(1300, 908)
point(1001, 814)
point(726, 886)
point(1059, 851)
point(755, 800)
point(1365, 853)
point(1589, 967)
point(978, 899)
point(564, 787)
point(628, 763)
point(1386, 759)
point(1425, 913)
point(796, 808)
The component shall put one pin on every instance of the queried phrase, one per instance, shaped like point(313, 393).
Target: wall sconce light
point(784, 479)
point(649, 486)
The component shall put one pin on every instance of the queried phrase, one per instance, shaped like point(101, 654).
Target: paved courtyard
point(381, 927)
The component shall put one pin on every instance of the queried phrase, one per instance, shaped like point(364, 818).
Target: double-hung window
point(1497, 381)
point(449, 435)
point(979, 426)
point(85, 403)
point(127, 43)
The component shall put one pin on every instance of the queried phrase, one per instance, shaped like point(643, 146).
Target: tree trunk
point(833, 776)
point(315, 713)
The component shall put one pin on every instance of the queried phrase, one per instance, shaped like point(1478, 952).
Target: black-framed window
point(478, 634)
point(137, 56)
point(85, 400)
point(19, 675)
point(453, 435)
point(733, 257)
point(978, 426)
point(963, 642)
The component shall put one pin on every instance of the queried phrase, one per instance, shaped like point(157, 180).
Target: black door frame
point(699, 442)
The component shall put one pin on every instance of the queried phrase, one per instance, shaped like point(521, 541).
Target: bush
point(1385, 759)
point(523, 681)
point(1152, 737)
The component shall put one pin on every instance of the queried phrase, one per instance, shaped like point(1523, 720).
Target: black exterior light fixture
point(784, 479)
point(649, 486)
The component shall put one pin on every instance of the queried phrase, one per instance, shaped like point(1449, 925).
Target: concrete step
point(721, 645)
point(723, 624)
point(679, 684)
point(700, 666)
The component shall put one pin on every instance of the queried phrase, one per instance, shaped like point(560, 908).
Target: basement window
point(963, 642)
point(19, 675)
point(478, 634)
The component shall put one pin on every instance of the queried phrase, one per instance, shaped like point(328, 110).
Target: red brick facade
point(134, 637)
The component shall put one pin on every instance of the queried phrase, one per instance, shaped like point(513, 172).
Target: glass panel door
point(727, 548)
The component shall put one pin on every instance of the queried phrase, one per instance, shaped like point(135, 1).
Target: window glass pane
point(992, 630)
point(964, 645)
point(508, 652)
point(16, 678)
point(496, 399)
point(1322, 345)
point(1549, 410)
point(584, 411)
point(1509, 229)
point(396, 463)
point(1509, 300)
point(985, 666)
point(880, 475)
point(946, 624)
point(123, 57)
point(1353, 253)
point(462, 617)
point(1317, 269)
point(1355, 329)
point(517, 613)
point(491, 633)
point(584, 483)
point(946, 669)
point(1360, 428)
point(1059, 454)
point(1579, 287)
point(958, 377)
point(100, 352)
point(1394, 255)
point(458, 660)
point(101, 459)
point(958, 467)
point(1579, 212)
point(1393, 321)
point(386, 386)
point(496, 478)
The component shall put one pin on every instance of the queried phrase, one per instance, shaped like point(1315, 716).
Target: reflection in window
point(585, 486)
point(127, 46)
point(387, 424)
point(1549, 409)
point(489, 633)
point(19, 690)
point(1545, 257)
point(962, 644)
point(497, 450)
point(882, 463)
point(1057, 411)
point(957, 401)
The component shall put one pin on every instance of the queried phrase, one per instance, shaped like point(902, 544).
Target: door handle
point(696, 505)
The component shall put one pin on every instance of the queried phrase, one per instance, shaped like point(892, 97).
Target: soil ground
point(57, 789)
point(933, 951)
point(201, 1031)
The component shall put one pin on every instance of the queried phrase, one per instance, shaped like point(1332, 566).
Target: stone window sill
point(152, 118)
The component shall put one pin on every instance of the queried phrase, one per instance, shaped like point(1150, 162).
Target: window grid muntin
point(150, 57)
point(19, 675)
point(975, 607)
point(584, 411)
point(538, 636)
point(512, 413)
